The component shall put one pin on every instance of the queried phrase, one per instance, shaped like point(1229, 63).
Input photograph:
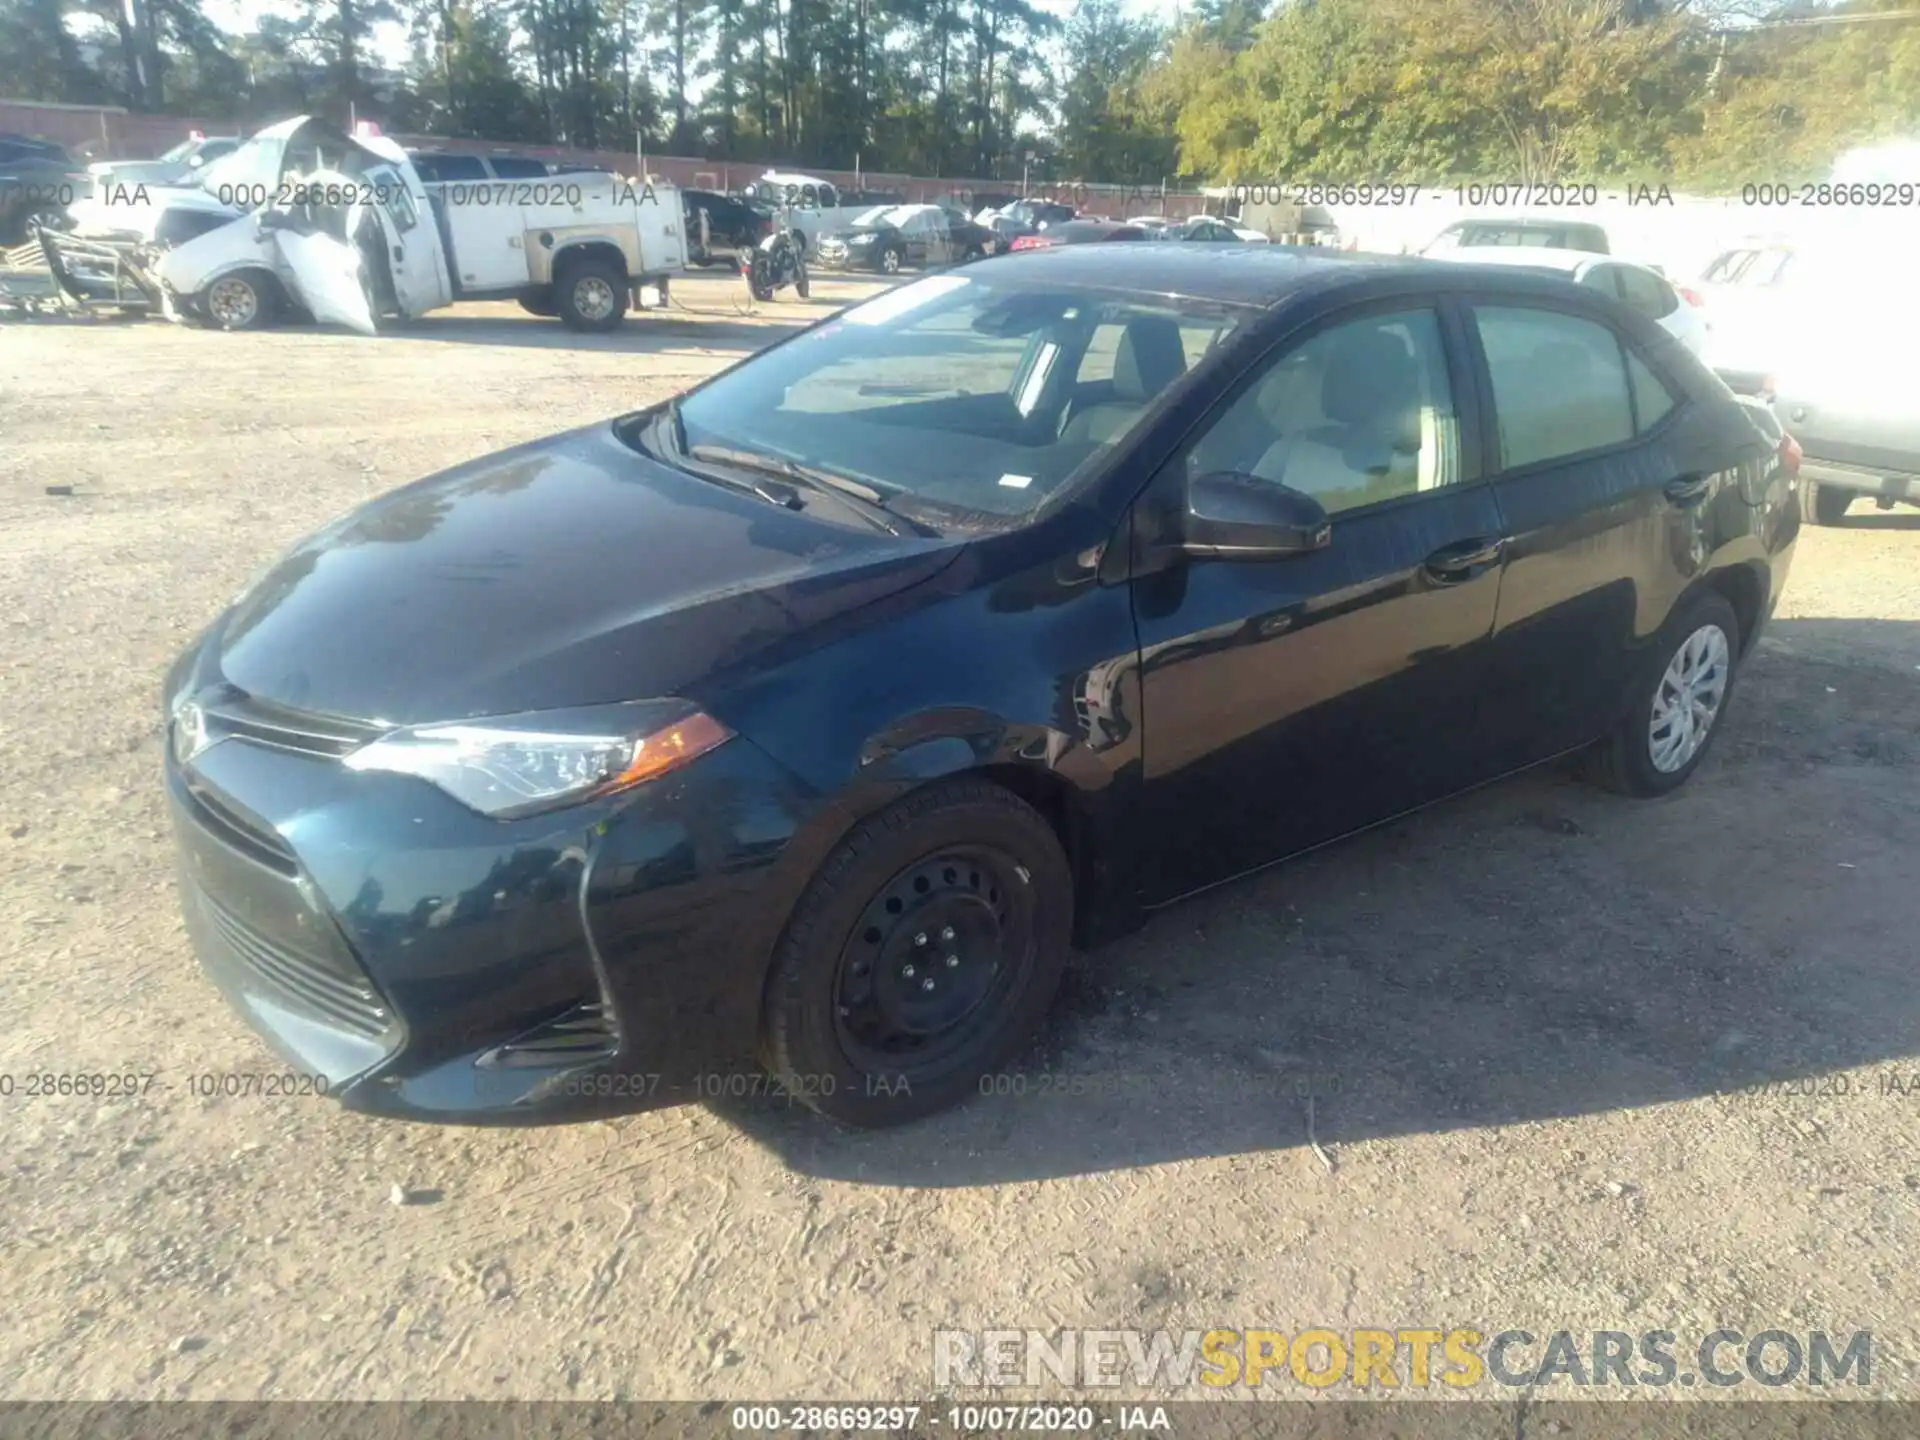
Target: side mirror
point(1231, 516)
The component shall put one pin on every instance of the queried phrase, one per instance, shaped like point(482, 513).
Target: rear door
point(1601, 498)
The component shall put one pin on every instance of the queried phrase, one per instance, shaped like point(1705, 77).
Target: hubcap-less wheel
point(593, 298)
point(1687, 700)
point(931, 959)
point(233, 302)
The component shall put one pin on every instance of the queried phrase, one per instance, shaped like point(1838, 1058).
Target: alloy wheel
point(593, 298)
point(233, 302)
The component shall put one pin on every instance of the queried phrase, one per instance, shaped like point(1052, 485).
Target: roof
point(1258, 275)
point(1530, 257)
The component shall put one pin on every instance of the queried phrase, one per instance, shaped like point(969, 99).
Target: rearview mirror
point(1232, 516)
point(1018, 315)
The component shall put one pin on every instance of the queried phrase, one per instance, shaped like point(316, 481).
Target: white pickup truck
point(304, 215)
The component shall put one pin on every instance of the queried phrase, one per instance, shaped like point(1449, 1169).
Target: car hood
point(571, 571)
point(140, 172)
point(136, 209)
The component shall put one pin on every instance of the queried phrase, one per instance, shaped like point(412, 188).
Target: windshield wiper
point(671, 432)
point(865, 501)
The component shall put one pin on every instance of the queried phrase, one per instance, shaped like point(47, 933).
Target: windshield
point(180, 151)
point(964, 395)
point(253, 167)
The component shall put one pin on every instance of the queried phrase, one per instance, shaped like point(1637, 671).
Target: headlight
point(866, 239)
point(522, 764)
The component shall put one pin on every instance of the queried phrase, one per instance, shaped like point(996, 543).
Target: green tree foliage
point(1702, 93)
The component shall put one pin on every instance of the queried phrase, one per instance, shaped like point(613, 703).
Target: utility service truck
point(304, 217)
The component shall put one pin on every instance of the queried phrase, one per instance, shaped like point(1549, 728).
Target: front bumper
point(434, 964)
point(105, 270)
point(830, 255)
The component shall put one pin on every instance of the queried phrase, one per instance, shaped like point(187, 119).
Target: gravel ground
point(1526, 1016)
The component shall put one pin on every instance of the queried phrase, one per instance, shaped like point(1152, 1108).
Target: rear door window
point(518, 167)
point(1560, 383)
point(450, 167)
point(1647, 292)
point(1652, 401)
point(1605, 279)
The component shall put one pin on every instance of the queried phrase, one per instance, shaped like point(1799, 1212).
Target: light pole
point(1026, 163)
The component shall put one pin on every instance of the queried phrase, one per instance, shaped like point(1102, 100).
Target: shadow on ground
point(1536, 950)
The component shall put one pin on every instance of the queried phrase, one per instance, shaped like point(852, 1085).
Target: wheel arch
point(572, 252)
point(1744, 586)
point(1050, 771)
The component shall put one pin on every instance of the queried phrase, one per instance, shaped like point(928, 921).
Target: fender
point(1078, 793)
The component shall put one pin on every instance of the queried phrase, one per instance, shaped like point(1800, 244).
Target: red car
point(1078, 232)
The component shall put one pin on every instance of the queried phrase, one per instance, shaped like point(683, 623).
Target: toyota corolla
point(801, 725)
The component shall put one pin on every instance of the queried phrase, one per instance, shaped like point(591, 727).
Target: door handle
point(1688, 489)
point(1465, 559)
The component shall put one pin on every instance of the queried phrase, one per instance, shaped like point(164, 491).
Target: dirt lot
point(1527, 1014)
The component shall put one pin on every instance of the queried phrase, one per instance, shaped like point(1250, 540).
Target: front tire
point(801, 285)
point(591, 295)
point(1825, 504)
point(889, 262)
point(923, 955)
point(243, 300)
point(1678, 705)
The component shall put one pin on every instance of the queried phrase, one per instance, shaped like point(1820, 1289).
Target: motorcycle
point(775, 263)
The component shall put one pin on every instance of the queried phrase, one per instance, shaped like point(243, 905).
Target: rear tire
point(1826, 505)
point(590, 295)
point(1689, 674)
point(923, 955)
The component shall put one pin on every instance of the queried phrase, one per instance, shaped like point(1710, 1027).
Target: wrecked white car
point(303, 217)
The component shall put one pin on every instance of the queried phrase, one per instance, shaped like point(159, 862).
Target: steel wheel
point(933, 954)
point(1687, 700)
point(922, 956)
point(233, 302)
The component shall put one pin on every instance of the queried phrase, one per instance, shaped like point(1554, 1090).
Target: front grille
point(329, 988)
point(240, 831)
point(263, 722)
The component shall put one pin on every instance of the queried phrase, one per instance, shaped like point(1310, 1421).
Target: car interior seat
point(1370, 443)
point(1149, 358)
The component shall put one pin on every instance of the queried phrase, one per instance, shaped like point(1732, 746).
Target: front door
point(399, 202)
point(1289, 701)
